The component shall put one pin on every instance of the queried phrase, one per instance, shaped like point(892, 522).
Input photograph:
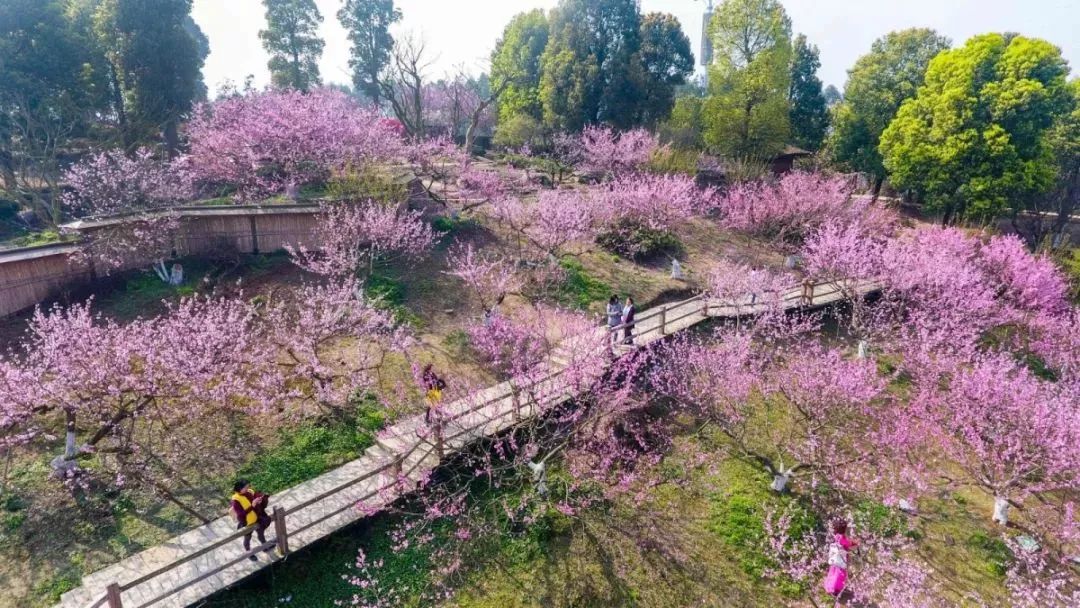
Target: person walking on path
point(628, 312)
point(614, 318)
point(249, 507)
point(836, 577)
point(433, 387)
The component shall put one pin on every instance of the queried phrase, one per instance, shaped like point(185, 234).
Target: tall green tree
point(973, 141)
point(1040, 217)
point(590, 72)
point(877, 85)
point(49, 95)
point(156, 53)
point(746, 113)
point(667, 60)
point(292, 39)
point(832, 96)
point(808, 113)
point(515, 66)
point(368, 23)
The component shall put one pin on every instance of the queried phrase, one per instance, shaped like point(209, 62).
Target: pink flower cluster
point(262, 142)
point(606, 152)
point(109, 183)
point(790, 208)
point(352, 237)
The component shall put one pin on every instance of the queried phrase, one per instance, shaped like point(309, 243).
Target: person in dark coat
point(249, 507)
point(628, 313)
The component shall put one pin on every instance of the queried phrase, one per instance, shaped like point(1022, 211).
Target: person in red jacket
point(249, 507)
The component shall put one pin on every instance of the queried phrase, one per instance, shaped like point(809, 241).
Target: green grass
point(580, 290)
point(994, 553)
point(313, 449)
point(52, 588)
point(32, 239)
point(391, 293)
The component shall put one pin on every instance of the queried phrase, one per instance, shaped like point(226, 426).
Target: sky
point(462, 33)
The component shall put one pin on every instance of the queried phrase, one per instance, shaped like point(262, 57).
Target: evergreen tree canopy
point(809, 115)
point(746, 113)
point(877, 84)
point(292, 40)
point(515, 65)
point(973, 141)
point(368, 23)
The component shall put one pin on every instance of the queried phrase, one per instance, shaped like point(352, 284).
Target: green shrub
point(637, 242)
point(580, 289)
point(362, 183)
point(994, 552)
point(674, 161)
point(517, 131)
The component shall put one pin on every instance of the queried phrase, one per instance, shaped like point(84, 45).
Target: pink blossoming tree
point(352, 237)
point(261, 143)
point(608, 153)
point(1008, 432)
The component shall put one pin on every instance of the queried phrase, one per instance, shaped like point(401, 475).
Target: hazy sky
point(463, 32)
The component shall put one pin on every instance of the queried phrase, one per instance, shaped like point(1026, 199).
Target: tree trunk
point(171, 138)
point(69, 436)
point(1001, 510)
point(876, 189)
point(780, 480)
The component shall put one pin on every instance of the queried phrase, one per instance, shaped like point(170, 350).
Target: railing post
point(112, 596)
point(705, 307)
point(808, 292)
point(396, 468)
point(663, 319)
point(515, 396)
point(281, 532)
point(439, 447)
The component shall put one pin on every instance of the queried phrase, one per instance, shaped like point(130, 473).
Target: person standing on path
point(249, 507)
point(836, 578)
point(614, 318)
point(628, 313)
point(433, 387)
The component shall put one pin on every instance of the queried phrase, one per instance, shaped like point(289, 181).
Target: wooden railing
point(802, 296)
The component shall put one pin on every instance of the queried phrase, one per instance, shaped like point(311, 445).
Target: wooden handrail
point(395, 465)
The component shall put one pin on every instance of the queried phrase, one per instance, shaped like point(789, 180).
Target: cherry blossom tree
point(1008, 432)
point(639, 209)
point(799, 411)
point(352, 237)
point(748, 290)
point(150, 398)
point(788, 210)
point(261, 143)
point(110, 183)
point(608, 153)
point(140, 191)
point(489, 277)
point(333, 339)
point(550, 226)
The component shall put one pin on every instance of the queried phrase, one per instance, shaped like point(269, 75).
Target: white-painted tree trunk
point(539, 475)
point(1001, 510)
point(780, 481)
point(864, 349)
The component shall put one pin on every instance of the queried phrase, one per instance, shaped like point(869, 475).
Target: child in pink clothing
point(836, 578)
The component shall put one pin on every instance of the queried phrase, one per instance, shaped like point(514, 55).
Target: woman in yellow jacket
point(249, 507)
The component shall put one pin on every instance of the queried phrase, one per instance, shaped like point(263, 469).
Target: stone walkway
point(403, 455)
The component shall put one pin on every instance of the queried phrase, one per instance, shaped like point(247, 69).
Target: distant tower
point(706, 54)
